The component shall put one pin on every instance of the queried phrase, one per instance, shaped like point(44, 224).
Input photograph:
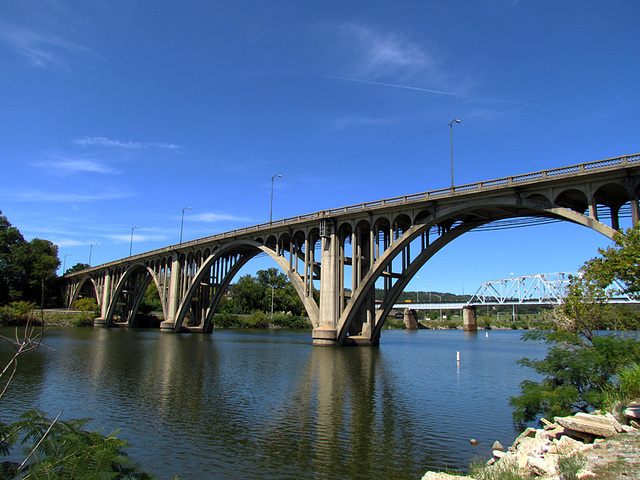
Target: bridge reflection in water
point(345, 253)
point(254, 405)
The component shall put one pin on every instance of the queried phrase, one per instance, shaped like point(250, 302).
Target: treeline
point(27, 269)
point(269, 291)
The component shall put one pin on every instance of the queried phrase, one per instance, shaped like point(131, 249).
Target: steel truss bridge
point(341, 255)
point(537, 289)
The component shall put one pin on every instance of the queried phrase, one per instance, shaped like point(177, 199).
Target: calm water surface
point(249, 405)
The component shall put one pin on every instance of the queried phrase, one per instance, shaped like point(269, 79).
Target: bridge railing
point(411, 198)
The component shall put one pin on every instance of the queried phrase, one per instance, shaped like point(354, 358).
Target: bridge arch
point(78, 289)
point(128, 293)
point(218, 270)
point(451, 222)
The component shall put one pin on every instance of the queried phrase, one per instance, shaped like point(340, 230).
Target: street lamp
point(182, 222)
point(91, 251)
point(64, 262)
point(451, 127)
point(131, 245)
point(271, 208)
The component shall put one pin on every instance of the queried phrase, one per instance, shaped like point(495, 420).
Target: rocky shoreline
point(583, 446)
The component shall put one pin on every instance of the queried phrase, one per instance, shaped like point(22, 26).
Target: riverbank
point(579, 447)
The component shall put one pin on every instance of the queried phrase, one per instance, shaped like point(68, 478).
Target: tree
point(78, 267)
point(27, 269)
point(10, 240)
point(581, 365)
point(255, 293)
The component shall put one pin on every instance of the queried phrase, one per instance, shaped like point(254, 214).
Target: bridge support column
point(325, 333)
point(174, 296)
point(410, 320)
point(469, 319)
point(101, 321)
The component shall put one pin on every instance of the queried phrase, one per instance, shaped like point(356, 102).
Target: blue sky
point(122, 113)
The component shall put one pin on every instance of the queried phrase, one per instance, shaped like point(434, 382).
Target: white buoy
point(487, 334)
point(458, 356)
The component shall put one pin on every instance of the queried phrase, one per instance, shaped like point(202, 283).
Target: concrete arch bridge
point(347, 252)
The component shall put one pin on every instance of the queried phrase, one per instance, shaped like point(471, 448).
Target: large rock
point(567, 445)
point(590, 424)
point(541, 466)
point(632, 412)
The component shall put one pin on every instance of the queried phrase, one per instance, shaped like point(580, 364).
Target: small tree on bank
point(581, 366)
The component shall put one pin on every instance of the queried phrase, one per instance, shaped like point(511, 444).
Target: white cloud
point(67, 242)
point(380, 54)
point(39, 196)
point(107, 142)
point(68, 166)
point(42, 49)
point(216, 217)
point(137, 237)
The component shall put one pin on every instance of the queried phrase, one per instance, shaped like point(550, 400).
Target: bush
point(579, 374)
point(625, 390)
point(87, 305)
point(68, 451)
point(392, 323)
point(225, 320)
point(284, 320)
point(83, 320)
point(17, 313)
point(257, 319)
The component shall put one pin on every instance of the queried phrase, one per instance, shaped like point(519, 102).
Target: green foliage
point(151, 300)
point(18, 313)
point(257, 293)
point(78, 267)
point(86, 305)
point(85, 319)
point(226, 320)
point(257, 319)
point(577, 373)
point(64, 450)
point(282, 320)
point(27, 269)
point(582, 368)
point(625, 389)
point(393, 323)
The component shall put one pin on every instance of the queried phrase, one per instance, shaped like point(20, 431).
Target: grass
point(505, 469)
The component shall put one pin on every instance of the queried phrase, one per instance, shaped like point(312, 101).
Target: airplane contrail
point(394, 85)
point(420, 89)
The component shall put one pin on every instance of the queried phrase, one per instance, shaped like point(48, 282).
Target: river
point(241, 404)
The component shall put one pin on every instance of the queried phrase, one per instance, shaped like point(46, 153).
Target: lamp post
point(91, 251)
point(131, 245)
point(271, 208)
point(182, 222)
point(64, 262)
point(451, 127)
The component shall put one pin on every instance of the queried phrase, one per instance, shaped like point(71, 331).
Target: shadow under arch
point(246, 249)
point(136, 279)
point(459, 219)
